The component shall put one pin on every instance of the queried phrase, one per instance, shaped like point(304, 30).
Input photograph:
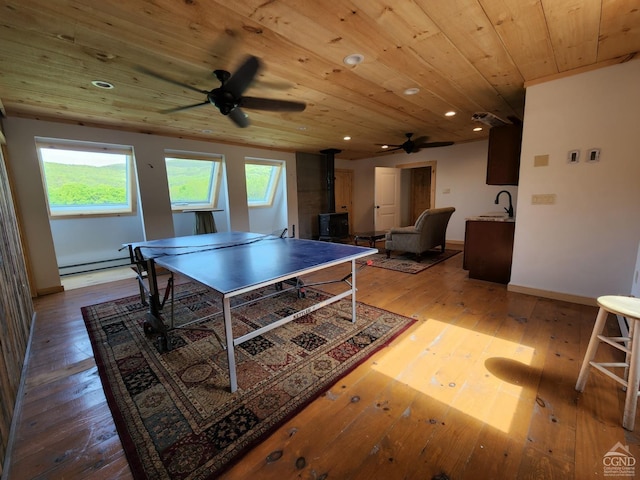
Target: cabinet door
point(488, 249)
point(503, 159)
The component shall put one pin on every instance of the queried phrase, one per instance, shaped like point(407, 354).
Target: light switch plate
point(541, 161)
point(543, 199)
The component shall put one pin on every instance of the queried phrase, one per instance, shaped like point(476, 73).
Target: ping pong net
point(151, 250)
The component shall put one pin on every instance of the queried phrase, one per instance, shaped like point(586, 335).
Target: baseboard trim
point(566, 297)
point(455, 244)
point(49, 290)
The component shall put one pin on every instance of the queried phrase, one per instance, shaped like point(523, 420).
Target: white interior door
point(387, 198)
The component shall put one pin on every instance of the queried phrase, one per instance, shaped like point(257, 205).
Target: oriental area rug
point(406, 262)
point(173, 409)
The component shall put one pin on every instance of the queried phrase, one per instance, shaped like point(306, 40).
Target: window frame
point(274, 181)
point(215, 180)
point(94, 211)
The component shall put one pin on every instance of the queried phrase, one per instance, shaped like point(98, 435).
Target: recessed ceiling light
point(353, 59)
point(347, 137)
point(102, 84)
point(384, 147)
point(207, 131)
point(477, 129)
point(411, 91)
point(450, 113)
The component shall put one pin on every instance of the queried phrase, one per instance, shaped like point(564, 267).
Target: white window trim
point(216, 180)
point(273, 183)
point(85, 146)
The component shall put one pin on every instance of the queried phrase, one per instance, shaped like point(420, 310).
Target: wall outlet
point(574, 156)
point(593, 155)
point(543, 199)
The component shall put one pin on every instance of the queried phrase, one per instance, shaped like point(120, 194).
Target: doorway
point(417, 185)
point(420, 199)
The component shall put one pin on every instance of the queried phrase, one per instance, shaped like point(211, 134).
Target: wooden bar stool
point(628, 307)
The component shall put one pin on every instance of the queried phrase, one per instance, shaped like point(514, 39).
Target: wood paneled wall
point(16, 308)
point(311, 172)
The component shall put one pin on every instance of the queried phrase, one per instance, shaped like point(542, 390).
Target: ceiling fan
point(228, 97)
point(413, 146)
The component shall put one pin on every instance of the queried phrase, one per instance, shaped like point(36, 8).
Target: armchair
point(428, 232)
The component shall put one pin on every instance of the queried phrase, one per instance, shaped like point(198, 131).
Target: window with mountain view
point(194, 180)
point(86, 178)
point(262, 178)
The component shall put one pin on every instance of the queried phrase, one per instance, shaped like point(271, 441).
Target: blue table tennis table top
point(232, 261)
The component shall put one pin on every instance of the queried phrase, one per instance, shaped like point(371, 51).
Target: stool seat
point(619, 305)
point(628, 307)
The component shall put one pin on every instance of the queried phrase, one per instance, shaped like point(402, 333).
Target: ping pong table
point(234, 263)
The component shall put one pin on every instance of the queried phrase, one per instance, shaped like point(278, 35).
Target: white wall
point(460, 169)
point(156, 215)
point(586, 243)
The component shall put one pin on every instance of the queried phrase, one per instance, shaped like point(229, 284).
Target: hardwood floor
point(481, 387)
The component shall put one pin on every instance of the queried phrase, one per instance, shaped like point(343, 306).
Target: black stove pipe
point(329, 155)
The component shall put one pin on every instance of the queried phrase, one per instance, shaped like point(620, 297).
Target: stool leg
point(591, 349)
point(627, 355)
point(631, 401)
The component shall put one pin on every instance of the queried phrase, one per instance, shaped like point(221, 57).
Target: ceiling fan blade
point(420, 140)
point(238, 117)
point(272, 105)
point(242, 78)
point(390, 150)
point(435, 144)
point(186, 107)
point(169, 80)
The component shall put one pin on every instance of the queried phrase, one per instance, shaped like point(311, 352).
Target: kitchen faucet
point(510, 209)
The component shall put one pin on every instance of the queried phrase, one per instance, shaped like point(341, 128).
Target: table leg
point(228, 331)
point(353, 291)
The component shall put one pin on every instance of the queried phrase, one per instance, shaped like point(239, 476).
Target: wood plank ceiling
point(465, 56)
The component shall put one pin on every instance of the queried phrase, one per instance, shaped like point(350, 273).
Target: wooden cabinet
point(488, 249)
point(503, 158)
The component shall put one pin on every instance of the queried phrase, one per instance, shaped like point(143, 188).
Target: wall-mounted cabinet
point(503, 160)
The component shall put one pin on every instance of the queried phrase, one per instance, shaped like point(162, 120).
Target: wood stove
point(333, 226)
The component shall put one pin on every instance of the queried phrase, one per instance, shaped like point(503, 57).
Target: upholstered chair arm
point(411, 229)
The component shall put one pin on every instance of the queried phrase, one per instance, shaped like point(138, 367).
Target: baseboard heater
point(94, 266)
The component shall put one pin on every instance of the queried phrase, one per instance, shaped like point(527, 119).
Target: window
point(82, 178)
point(262, 181)
point(194, 180)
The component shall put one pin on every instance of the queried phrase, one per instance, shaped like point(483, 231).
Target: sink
point(493, 217)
